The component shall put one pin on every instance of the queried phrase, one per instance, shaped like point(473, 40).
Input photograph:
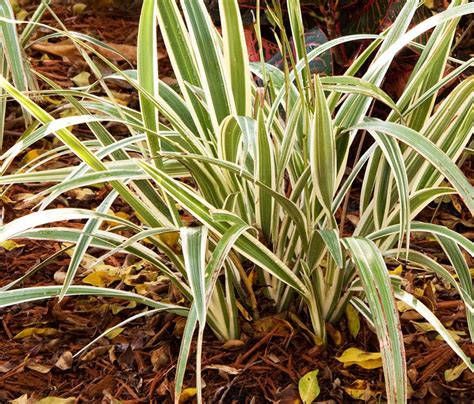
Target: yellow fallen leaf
point(114, 333)
point(79, 8)
point(452, 374)
point(308, 387)
point(52, 101)
point(10, 245)
point(353, 321)
point(28, 332)
point(81, 79)
point(366, 360)
point(419, 292)
point(402, 306)
point(430, 4)
point(427, 327)
point(370, 364)
point(100, 279)
point(15, 6)
point(397, 271)
point(5, 199)
point(187, 394)
point(358, 390)
point(132, 278)
point(170, 239)
point(120, 98)
point(117, 308)
point(456, 335)
point(32, 155)
point(22, 15)
point(121, 215)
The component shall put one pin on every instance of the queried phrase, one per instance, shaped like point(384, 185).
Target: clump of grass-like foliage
point(269, 167)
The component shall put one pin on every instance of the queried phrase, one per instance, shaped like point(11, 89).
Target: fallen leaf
point(402, 306)
point(121, 215)
point(82, 194)
point(114, 333)
point(81, 79)
point(28, 332)
point(57, 400)
point(419, 292)
point(10, 245)
point(160, 357)
point(146, 287)
point(68, 50)
point(32, 155)
point(359, 390)
point(20, 400)
point(59, 276)
point(100, 279)
point(334, 333)
point(397, 271)
point(366, 360)
point(187, 394)
point(7, 366)
point(79, 8)
point(38, 367)
point(170, 239)
point(353, 321)
point(224, 368)
point(94, 353)
point(430, 4)
point(233, 344)
point(65, 361)
point(452, 374)
point(22, 15)
point(117, 308)
point(308, 387)
point(427, 327)
point(270, 323)
point(456, 204)
point(15, 6)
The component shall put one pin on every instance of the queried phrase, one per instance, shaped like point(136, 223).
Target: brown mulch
point(138, 365)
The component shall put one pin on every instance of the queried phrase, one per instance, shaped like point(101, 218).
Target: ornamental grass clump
point(262, 170)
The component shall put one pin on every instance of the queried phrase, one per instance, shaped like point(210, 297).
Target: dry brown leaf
point(224, 368)
point(233, 344)
point(94, 353)
point(65, 361)
point(38, 367)
point(68, 50)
